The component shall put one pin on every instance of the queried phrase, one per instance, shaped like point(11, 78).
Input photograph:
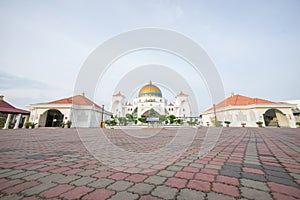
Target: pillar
point(26, 120)
point(7, 121)
point(18, 121)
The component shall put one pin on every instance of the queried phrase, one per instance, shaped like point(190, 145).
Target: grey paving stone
point(182, 164)
point(120, 185)
point(278, 174)
point(255, 194)
point(197, 165)
point(36, 167)
point(238, 165)
point(187, 160)
point(188, 194)
point(253, 166)
point(51, 178)
point(71, 160)
point(255, 177)
point(83, 181)
point(124, 196)
point(153, 162)
point(215, 196)
point(230, 173)
point(174, 168)
point(166, 173)
point(36, 176)
point(156, 180)
point(102, 168)
point(39, 188)
point(231, 168)
point(164, 192)
point(11, 197)
point(10, 173)
point(296, 176)
point(212, 166)
point(56, 163)
point(141, 188)
point(4, 170)
point(101, 183)
point(274, 168)
point(21, 175)
point(67, 179)
point(251, 162)
point(88, 172)
point(254, 184)
point(283, 181)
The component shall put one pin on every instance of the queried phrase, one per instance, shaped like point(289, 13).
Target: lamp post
point(215, 115)
point(102, 122)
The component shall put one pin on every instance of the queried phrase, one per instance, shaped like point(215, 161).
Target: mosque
point(150, 102)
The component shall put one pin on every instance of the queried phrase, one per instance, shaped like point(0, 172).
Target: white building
point(240, 110)
point(150, 99)
point(296, 109)
point(79, 109)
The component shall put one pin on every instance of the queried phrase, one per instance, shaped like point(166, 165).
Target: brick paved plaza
point(246, 163)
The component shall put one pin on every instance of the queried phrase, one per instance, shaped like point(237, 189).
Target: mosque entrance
point(151, 113)
point(54, 118)
point(275, 118)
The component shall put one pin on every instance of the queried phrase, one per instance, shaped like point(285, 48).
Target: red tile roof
point(170, 104)
point(7, 108)
point(182, 94)
point(239, 100)
point(118, 94)
point(77, 100)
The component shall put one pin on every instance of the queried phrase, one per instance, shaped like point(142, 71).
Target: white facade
point(151, 98)
point(250, 114)
point(80, 115)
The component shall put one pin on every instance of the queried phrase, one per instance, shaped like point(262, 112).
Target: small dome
point(150, 90)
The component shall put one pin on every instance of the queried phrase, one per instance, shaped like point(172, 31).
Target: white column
point(7, 121)
point(26, 120)
point(18, 121)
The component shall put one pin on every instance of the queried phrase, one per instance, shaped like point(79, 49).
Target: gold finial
point(232, 94)
point(150, 82)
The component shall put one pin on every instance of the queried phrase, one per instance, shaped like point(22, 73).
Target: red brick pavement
point(54, 164)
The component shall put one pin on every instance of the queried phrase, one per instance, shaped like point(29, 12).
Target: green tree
point(129, 117)
point(162, 118)
point(122, 121)
point(171, 118)
point(143, 119)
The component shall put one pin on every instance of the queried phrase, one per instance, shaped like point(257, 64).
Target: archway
point(276, 118)
point(54, 118)
point(151, 113)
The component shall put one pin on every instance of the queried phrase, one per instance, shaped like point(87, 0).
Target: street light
point(102, 122)
point(215, 115)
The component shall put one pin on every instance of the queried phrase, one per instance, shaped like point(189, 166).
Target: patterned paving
point(246, 163)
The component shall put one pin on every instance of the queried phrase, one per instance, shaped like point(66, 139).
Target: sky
point(255, 45)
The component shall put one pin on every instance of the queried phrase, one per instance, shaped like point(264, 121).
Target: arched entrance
point(151, 113)
point(54, 118)
point(276, 118)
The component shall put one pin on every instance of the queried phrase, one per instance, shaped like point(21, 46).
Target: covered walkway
point(11, 113)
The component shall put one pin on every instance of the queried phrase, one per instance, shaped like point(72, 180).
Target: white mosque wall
point(247, 114)
point(38, 113)
point(81, 116)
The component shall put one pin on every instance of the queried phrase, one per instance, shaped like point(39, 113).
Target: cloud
point(21, 92)
point(9, 81)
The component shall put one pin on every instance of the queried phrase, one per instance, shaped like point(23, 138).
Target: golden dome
point(150, 90)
